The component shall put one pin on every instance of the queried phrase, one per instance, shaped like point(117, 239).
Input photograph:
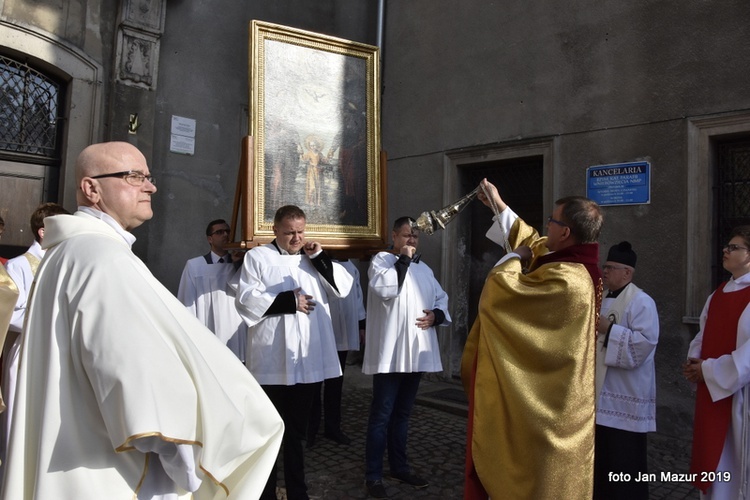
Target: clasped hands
point(692, 370)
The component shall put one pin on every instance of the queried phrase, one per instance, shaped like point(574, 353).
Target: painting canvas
point(315, 123)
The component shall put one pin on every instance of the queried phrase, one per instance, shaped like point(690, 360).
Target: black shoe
point(411, 479)
point(376, 489)
point(339, 437)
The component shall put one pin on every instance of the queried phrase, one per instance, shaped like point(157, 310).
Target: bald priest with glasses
point(121, 392)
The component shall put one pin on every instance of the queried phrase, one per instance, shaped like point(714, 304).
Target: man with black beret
point(627, 334)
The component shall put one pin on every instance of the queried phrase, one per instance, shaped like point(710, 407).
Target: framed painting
point(315, 130)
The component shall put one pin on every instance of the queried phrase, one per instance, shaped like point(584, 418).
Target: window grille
point(732, 195)
point(29, 110)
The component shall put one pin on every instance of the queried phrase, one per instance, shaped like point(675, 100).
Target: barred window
point(29, 110)
point(732, 195)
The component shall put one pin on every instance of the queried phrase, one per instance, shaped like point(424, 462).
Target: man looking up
point(121, 393)
point(627, 334)
point(528, 364)
point(404, 305)
point(205, 291)
point(283, 297)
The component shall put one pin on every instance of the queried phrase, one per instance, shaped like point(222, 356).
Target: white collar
point(128, 237)
point(215, 257)
point(36, 250)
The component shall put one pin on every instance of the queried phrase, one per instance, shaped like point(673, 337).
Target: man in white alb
point(627, 334)
point(348, 316)
point(283, 297)
point(21, 270)
point(206, 292)
point(405, 304)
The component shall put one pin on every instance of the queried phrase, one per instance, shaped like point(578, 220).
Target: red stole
point(586, 254)
point(712, 418)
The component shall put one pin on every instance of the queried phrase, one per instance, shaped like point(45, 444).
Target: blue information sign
point(620, 183)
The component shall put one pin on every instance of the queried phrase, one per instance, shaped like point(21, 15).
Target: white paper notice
point(183, 126)
point(182, 145)
point(183, 135)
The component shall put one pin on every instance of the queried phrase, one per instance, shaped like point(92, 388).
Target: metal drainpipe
point(380, 35)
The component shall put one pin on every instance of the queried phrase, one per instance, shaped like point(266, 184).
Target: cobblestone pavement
point(436, 450)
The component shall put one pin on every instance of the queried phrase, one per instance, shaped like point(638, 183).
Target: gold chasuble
point(8, 298)
point(528, 369)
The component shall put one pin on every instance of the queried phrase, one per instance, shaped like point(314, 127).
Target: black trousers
point(619, 455)
point(332, 388)
point(293, 404)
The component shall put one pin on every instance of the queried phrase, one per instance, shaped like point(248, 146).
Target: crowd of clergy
point(112, 387)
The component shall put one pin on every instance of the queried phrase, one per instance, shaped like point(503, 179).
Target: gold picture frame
point(315, 137)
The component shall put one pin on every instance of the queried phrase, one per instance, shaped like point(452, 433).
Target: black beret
point(622, 253)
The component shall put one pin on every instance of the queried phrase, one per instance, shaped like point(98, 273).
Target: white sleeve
point(729, 373)
point(344, 282)
point(694, 351)
point(441, 302)
point(383, 276)
point(253, 298)
point(502, 223)
point(17, 273)
point(630, 345)
point(177, 461)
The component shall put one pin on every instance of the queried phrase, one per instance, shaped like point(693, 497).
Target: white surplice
point(20, 270)
point(347, 312)
point(394, 343)
point(121, 389)
point(628, 396)
point(205, 290)
point(728, 376)
point(288, 349)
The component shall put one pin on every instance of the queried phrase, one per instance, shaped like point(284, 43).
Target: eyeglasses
point(558, 222)
point(732, 247)
point(608, 267)
point(132, 177)
point(220, 231)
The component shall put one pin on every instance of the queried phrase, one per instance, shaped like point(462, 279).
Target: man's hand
point(312, 247)
point(488, 195)
point(692, 370)
point(524, 252)
point(427, 320)
point(409, 251)
point(305, 303)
